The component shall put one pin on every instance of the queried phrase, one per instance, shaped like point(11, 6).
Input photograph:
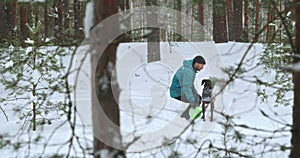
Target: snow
point(32, 98)
point(22, 101)
point(29, 41)
point(11, 48)
point(149, 113)
point(47, 40)
point(36, 75)
point(9, 64)
point(145, 89)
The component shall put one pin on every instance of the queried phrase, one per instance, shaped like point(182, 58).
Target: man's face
point(198, 66)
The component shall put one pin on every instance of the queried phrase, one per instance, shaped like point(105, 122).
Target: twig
point(6, 117)
point(200, 148)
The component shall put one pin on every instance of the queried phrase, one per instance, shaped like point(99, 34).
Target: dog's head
point(207, 83)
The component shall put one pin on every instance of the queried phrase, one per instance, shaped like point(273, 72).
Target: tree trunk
point(178, 17)
point(81, 21)
point(3, 27)
point(77, 16)
point(65, 11)
point(163, 33)
point(153, 39)
point(257, 6)
point(201, 13)
point(246, 19)
point(11, 18)
point(23, 20)
point(208, 21)
point(269, 18)
point(46, 20)
point(295, 152)
point(102, 69)
point(238, 19)
point(219, 21)
point(59, 20)
point(125, 5)
point(230, 20)
point(201, 32)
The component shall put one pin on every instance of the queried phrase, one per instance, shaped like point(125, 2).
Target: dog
point(207, 98)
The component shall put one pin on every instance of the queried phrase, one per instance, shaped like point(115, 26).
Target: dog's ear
point(203, 81)
point(209, 83)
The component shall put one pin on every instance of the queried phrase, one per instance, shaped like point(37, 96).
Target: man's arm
point(187, 87)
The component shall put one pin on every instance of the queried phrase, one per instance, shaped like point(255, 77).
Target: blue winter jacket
point(183, 82)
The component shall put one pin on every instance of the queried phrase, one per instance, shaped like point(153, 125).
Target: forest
point(59, 61)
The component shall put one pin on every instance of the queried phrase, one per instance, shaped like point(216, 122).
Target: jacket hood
point(188, 64)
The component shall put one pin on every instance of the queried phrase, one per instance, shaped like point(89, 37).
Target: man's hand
point(213, 99)
point(194, 105)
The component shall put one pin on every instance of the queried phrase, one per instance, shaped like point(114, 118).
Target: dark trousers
point(183, 98)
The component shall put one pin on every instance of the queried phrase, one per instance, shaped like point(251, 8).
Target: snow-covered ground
point(149, 113)
point(147, 109)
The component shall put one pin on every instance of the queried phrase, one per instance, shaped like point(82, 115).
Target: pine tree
point(295, 152)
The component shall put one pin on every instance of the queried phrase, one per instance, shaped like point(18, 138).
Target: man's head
point(198, 63)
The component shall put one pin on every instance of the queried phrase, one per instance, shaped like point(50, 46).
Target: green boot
point(195, 112)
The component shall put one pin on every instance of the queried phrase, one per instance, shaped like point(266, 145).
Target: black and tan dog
point(207, 98)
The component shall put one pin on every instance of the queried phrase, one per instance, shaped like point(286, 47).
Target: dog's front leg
point(203, 111)
point(212, 106)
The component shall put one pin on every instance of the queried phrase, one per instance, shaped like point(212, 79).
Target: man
point(182, 87)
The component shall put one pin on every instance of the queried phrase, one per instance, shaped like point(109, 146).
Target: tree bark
point(219, 21)
point(77, 16)
point(201, 32)
point(58, 22)
point(65, 11)
point(238, 19)
point(269, 17)
point(125, 5)
point(230, 20)
point(153, 39)
point(11, 18)
point(201, 13)
point(23, 20)
point(178, 20)
point(104, 95)
point(3, 27)
point(257, 6)
point(295, 152)
point(246, 19)
point(46, 20)
point(59, 19)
